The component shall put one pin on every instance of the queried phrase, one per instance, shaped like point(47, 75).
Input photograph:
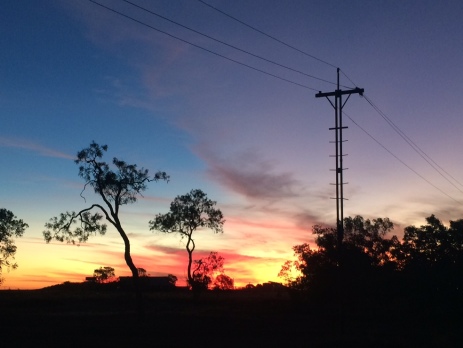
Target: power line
point(405, 164)
point(267, 35)
point(355, 85)
point(202, 48)
point(227, 44)
point(415, 147)
point(410, 142)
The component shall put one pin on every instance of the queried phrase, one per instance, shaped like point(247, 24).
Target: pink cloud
point(28, 145)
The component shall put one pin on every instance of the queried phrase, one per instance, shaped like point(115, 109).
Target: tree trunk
point(190, 259)
point(135, 277)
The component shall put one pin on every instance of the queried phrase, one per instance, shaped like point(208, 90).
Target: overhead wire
point(227, 44)
point(414, 146)
point(202, 48)
point(267, 35)
point(342, 71)
point(382, 114)
point(275, 39)
point(397, 158)
point(411, 143)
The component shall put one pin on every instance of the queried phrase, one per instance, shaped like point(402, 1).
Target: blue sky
point(73, 72)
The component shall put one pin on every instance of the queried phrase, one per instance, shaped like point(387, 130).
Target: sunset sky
point(248, 132)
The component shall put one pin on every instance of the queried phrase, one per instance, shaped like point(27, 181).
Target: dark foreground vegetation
point(80, 315)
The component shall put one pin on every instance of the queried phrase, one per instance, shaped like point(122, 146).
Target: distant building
point(148, 283)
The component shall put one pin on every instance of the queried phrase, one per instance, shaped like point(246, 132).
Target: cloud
point(28, 145)
point(249, 175)
point(305, 220)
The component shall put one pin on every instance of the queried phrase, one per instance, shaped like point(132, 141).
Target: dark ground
point(71, 317)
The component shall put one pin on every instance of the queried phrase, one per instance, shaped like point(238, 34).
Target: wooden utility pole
point(338, 105)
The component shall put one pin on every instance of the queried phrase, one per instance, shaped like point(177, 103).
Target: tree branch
point(60, 228)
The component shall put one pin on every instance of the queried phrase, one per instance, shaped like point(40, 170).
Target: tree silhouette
point(224, 282)
point(172, 279)
point(116, 186)
point(187, 214)
point(142, 272)
point(425, 267)
point(104, 275)
point(364, 251)
point(10, 227)
point(204, 269)
point(432, 257)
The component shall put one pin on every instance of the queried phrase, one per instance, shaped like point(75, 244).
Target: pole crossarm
point(339, 92)
point(338, 127)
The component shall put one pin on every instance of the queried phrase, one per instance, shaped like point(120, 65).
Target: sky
point(248, 132)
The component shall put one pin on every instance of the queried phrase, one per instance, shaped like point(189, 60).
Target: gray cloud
point(252, 176)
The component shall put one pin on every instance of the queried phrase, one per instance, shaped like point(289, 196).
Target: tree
point(172, 279)
point(224, 282)
point(204, 270)
point(188, 213)
point(104, 275)
point(142, 272)
point(10, 227)
point(433, 242)
point(364, 252)
point(432, 257)
point(116, 186)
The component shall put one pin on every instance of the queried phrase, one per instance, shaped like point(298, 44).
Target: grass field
point(71, 317)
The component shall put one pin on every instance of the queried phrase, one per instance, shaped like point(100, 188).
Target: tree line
point(367, 261)
point(426, 265)
point(117, 184)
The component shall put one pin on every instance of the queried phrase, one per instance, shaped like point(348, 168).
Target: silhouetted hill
point(70, 314)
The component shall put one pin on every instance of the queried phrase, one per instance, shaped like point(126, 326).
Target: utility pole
point(338, 127)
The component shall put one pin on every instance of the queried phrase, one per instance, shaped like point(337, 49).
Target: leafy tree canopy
point(224, 282)
point(204, 269)
point(10, 227)
point(114, 185)
point(364, 247)
point(104, 275)
point(187, 214)
point(429, 258)
point(142, 272)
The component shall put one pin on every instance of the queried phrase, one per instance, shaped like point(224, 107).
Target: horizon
point(255, 140)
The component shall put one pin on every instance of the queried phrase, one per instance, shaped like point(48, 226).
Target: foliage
point(224, 282)
point(142, 272)
point(87, 224)
point(433, 242)
point(104, 275)
point(187, 214)
point(115, 185)
point(432, 256)
point(369, 265)
point(364, 248)
point(10, 227)
point(172, 279)
point(204, 270)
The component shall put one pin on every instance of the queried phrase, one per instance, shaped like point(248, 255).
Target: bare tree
point(188, 213)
